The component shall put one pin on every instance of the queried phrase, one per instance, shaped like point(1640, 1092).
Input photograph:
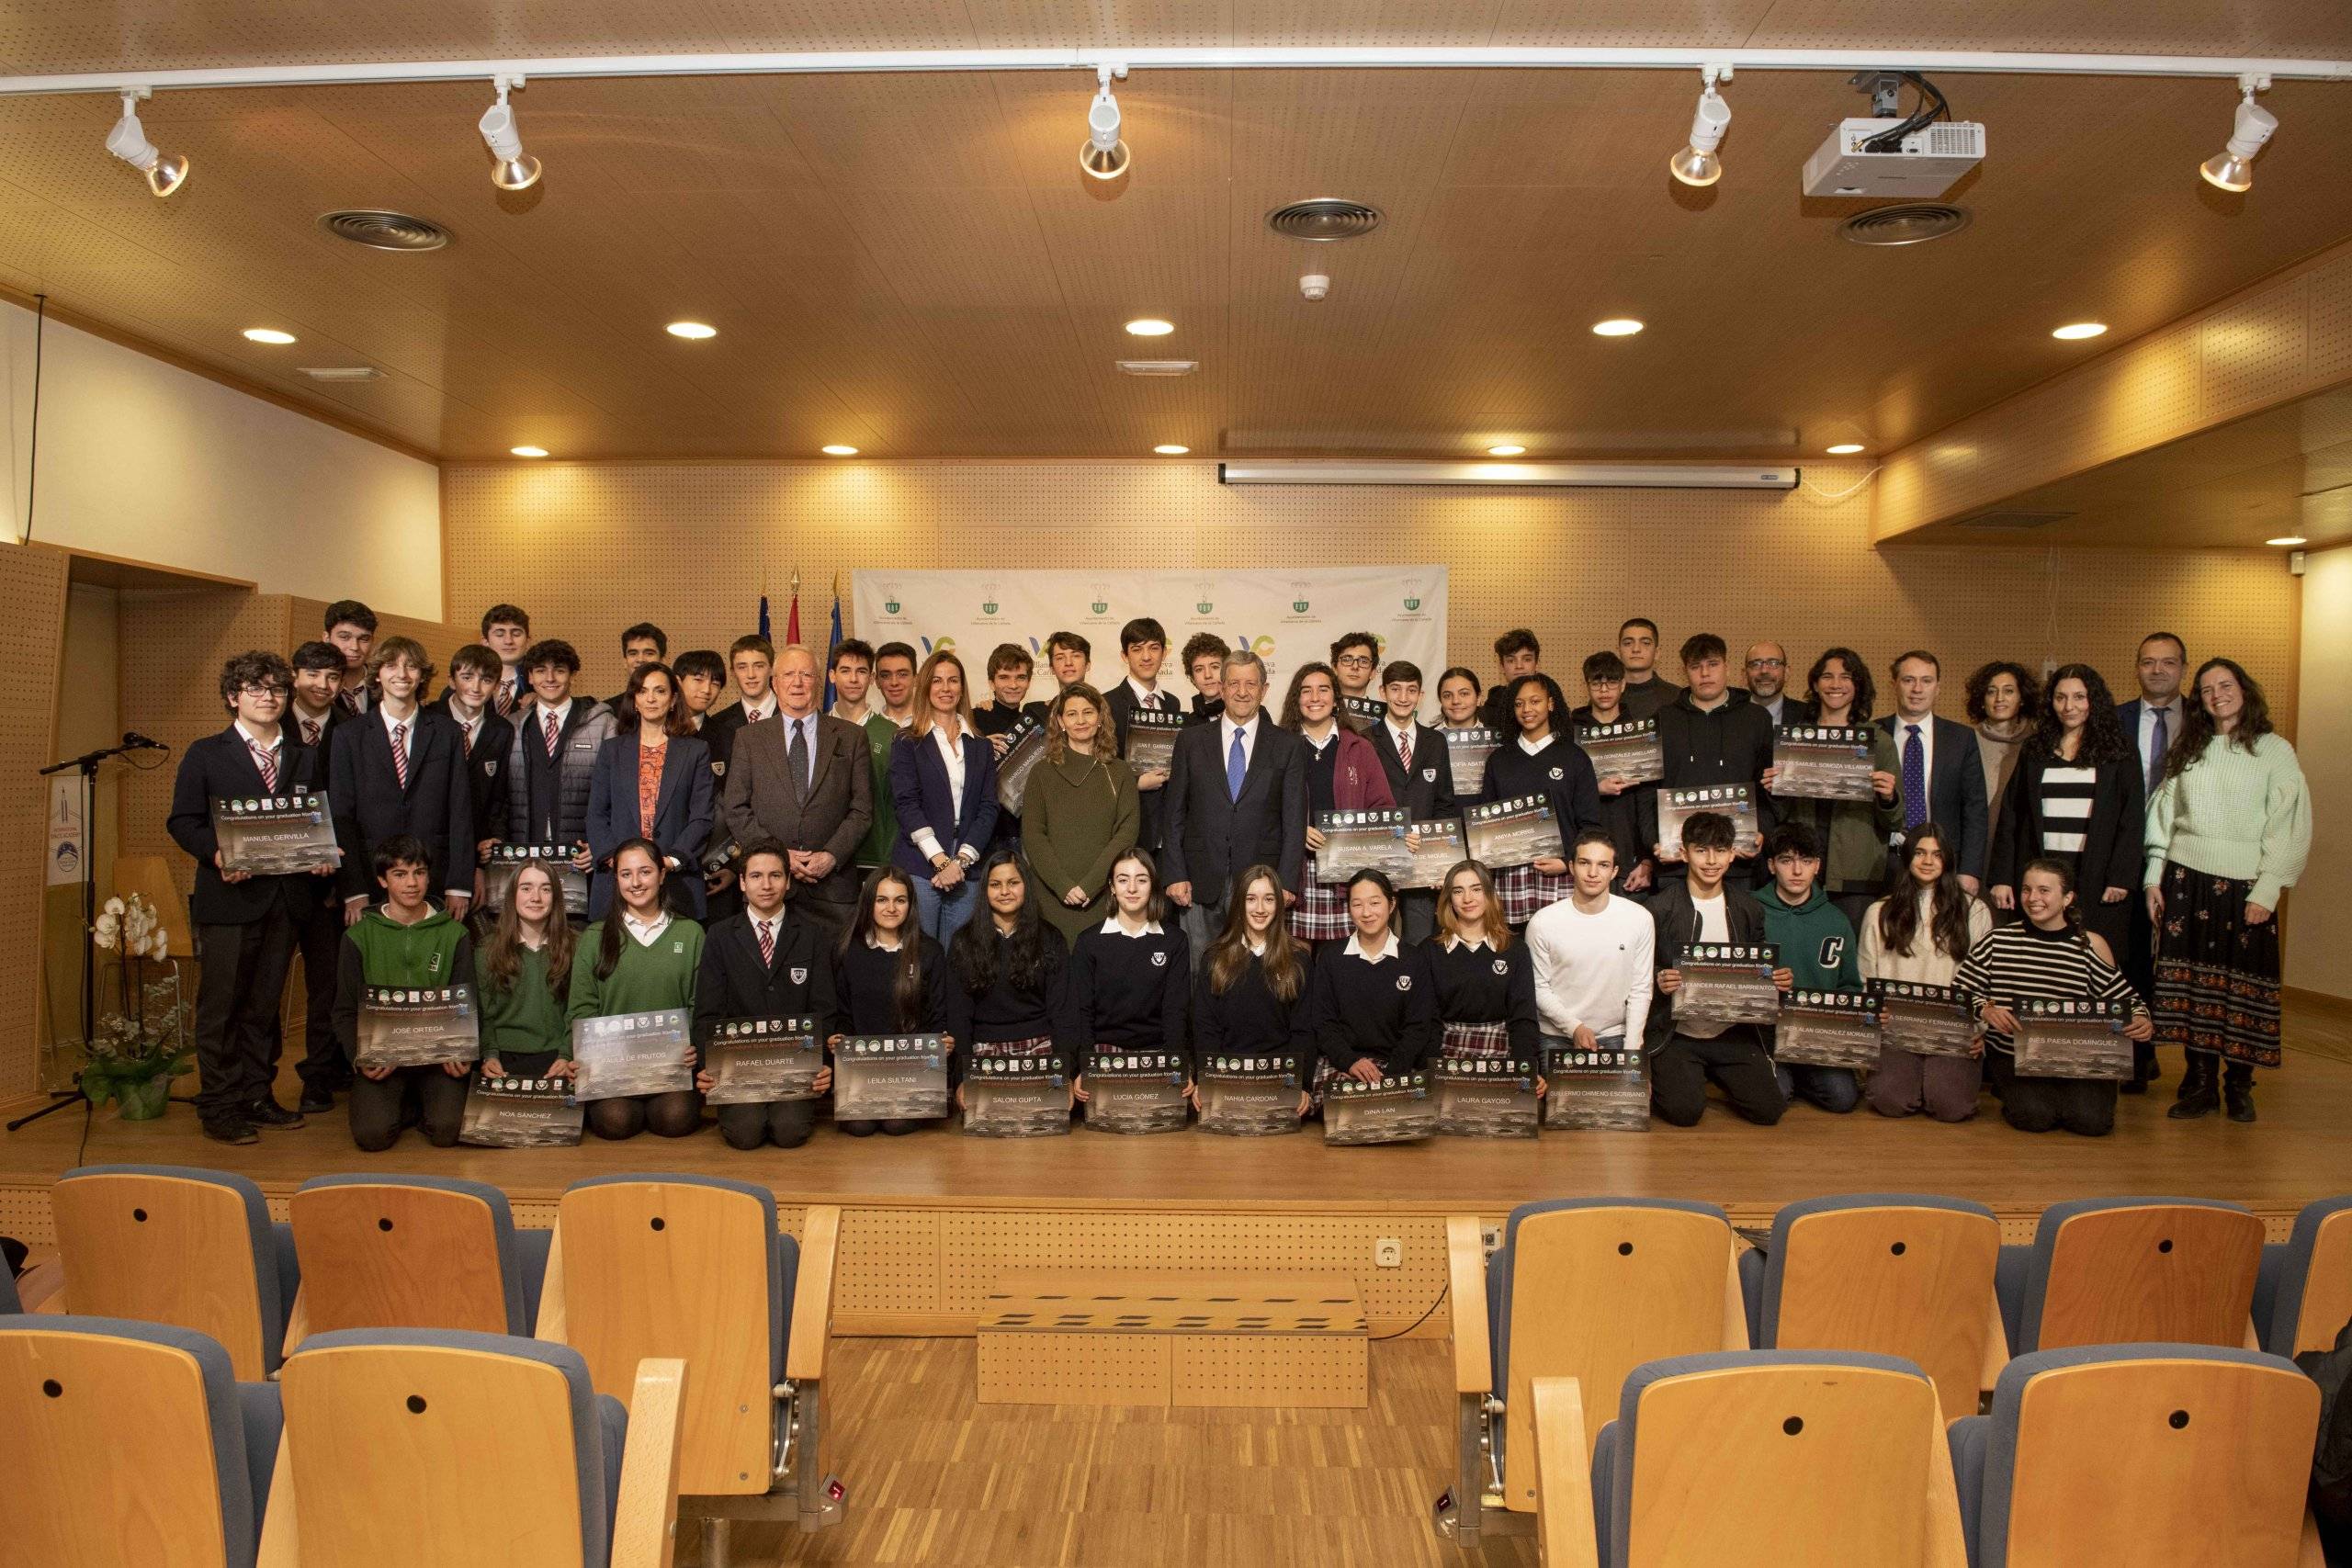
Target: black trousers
point(318, 937)
point(426, 1098)
point(2085, 1106)
point(786, 1122)
point(1417, 913)
point(1735, 1060)
point(895, 1127)
point(671, 1115)
point(237, 998)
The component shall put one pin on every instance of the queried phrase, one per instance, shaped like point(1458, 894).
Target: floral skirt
point(1475, 1040)
point(1322, 912)
point(2217, 978)
point(1522, 890)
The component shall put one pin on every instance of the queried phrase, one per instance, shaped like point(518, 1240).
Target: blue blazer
point(682, 816)
point(919, 792)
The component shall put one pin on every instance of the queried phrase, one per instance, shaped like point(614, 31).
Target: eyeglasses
point(1768, 664)
point(251, 691)
point(1352, 660)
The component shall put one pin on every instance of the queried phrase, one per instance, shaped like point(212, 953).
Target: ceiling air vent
point(1911, 223)
point(1324, 218)
point(385, 231)
point(2012, 519)
point(1157, 367)
point(342, 372)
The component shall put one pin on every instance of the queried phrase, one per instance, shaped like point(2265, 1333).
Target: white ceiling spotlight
point(1697, 164)
point(1105, 156)
point(516, 169)
point(2232, 167)
point(127, 140)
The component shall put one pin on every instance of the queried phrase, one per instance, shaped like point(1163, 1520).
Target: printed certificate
point(1516, 831)
point(1248, 1097)
point(1628, 750)
point(1442, 849)
point(757, 1061)
point(1359, 841)
point(276, 835)
point(2073, 1039)
point(520, 1114)
point(1604, 1090)
point(1727, 983)
point(417, 1026)
point(881, 1078)
point(1024, 745)
point(1823, 762)
point(1136, 1091)
point(632, 1053)
point(1927, 1021)
point(1391, 1110)
point(1152, 740)
point(1828, 1029)
point(1485, 1097)
point(1467, 751)
point(1016, 1097)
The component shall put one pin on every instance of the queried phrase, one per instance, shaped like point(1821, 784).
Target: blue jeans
point(941, 914)
point(1833, 1089)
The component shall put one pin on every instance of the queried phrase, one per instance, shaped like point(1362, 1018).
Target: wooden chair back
point(163, 1249)
point(2162, 1274)
point(394, 1256)
point(1896, 1281)
point(2326, 1305)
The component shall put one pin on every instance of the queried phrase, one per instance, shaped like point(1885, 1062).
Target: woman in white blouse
point(942, 785)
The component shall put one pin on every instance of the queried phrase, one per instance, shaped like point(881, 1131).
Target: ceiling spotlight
point(268, 334)
point(838, 450)
point(2289, 541)
point(696, 330)
point(1844, 448)
point(2074, 332)
point(1169, 449)
point(515, 170)
point(1150, 326)
point(1103, 155)
point(1616, 326)
point(1507, 450)
point(1697, 164)
point(2232, 167)
point(528, 451)
point(127, 140)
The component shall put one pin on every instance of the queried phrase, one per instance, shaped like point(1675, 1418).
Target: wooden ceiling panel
point(2279, 29)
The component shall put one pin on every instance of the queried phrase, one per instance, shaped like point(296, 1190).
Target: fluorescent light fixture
point(1507, 450)
point(528, 451)
point(1605, 476)
point(1616, 326)
point(838, 450)
point(2074, 332)
point(1696, 164)
point(1845, 448)
point(694, 330)
point(514, 169)
point(2288, 542)
point(127, 140)
point(268, 334)
point(1169, 449)
point(2232, 167)
point(1103, 155)
point(1150, 326)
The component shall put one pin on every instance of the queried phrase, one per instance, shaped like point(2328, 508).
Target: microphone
point(135, 741)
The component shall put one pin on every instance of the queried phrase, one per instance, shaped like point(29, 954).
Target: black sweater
point(1004, 1011)
point(1478, 985)
point(865, 984)
point(1727, 745)
point(1130, 993)
point(1560, 772)
point(1250, 1020)
point(1385, 1011)
point(732, 982)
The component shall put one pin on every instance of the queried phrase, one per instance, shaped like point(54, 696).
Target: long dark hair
point(974, 950)
point(1865, 688)
point(1229, 957)
point(2103, 739)
point(2029, 690)
point(501, 956)
point(1291, 720)
point(906, 974)
point(1155, 904)
point(674, 722)
point(609, 942)
point(1948, 901)
point(2197, 727)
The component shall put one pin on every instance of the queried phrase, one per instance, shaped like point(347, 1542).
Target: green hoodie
point(1816, 942)
point(380, 951)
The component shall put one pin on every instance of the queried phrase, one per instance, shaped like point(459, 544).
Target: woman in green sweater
point(1078, 813)
point(525, 983)
point(638, 958)
point(2229, 830)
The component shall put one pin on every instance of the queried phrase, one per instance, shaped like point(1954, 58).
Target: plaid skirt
point(1522, 890)
point(1035, 1045)
point(2217, 978)
point(1322, 912)
point(1319, 1080)
point(1475, 1040)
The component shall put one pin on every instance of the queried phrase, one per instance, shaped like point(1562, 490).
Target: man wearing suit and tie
point(1420, 776)
point(1943, 777)
point(1236, 797)
point(1144, 646)
point(2151, 722)
point(805, 780)
point(246, 924)
point(400, 768)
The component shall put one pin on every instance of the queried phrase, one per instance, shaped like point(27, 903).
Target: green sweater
point(2235, 813)
point(646, 979)
point(378, 951)
point(529, 1017)
point(881, 733)
point(1816, 942)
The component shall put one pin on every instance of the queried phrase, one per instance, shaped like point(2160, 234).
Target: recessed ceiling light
point(2288, 540)
point(528, 451)
point(1150, 326)
point(695, 330)
point(1506, 450)
point(268, 334)
point(1617, 326)
point(838, 450)
point(2075, 330)
point(1169, 449)
point(1844, 448)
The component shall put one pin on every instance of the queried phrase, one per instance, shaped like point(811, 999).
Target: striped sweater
point(2020, 961)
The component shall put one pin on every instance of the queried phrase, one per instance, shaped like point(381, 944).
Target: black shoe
point(230, 1129)
point(2133, 1086)
point(2193, 1103)
point(271, 1116)
point(317, 1101)
point(2237, 1092)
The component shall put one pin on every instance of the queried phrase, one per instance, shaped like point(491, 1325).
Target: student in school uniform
point(1458, 699)
point(311, 711)
point(1143, 646)
point(311, 721)
point(764, 962)
point(524, 981)
point(642, 644)
point(1009, 669)
point(894, 679)
point(246, 923)
point(1205, 663)
point(402, 941)
point(1374, 997)
point(889, 978)
point(1009, 997)
point(752, 661)
point(485, 739)
point(652, 781)
point(506, 631)
point(1420, 775)
point(351, 626)
point(552, 770)
point(1343, 774)
point(943, 790)
point(1541, 759)
point(1697, 904)
point(1249, 993)
point(702, 676)
point(402, 770)
point(1486, 984)
point(638, 958)
point(1130, 980)
point(1628, 809)
point(1082, 813)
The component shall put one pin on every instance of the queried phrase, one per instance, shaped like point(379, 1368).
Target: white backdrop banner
point(1286, 617)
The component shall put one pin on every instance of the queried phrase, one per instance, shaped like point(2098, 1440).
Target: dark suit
point(1427, 793)
point(733, 983)
point(485, 767)
point(682, 818)
point(830, 811)
point(318, 938)
point(248, 929)
point(920, 795)
point(1212, 836)
point(1794, 709)
point(2137, 957)
point(1122, 703)
point(1955, 791)
point(720, 740)
point(370, 805)
point(1680, 1065)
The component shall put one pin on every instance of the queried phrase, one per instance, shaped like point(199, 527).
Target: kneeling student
point(1695, 906)
point(1130, 978)
point(764, 963)
point(1375, 999)
point(402, 941)
point(1486, 984)
point(1010, 998)
point(1818, 947)
point(1250, 996)
point(638, 958)
point(525, 981)
point(889, 978)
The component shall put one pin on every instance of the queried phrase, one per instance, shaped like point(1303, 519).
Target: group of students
point(858, 864)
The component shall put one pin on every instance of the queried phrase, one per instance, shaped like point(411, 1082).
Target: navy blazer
point(370, 806)
point(220, 767)
point(1955, 787)
point(682, 816)
point(919, 793)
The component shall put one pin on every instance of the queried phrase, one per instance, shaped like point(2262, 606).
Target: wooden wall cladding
point(32, 638)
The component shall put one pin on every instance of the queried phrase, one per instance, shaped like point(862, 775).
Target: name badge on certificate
point(1440, 851)
point(1728, 983)
point(1371, 840)
point(1675, 806)
point(1395, 1110)
point(1248, 1097)
point(1467, 751)
point(1024, 743)
point(631, 1053)
point(1512, 832)
point(1822, 762)
point(417, 1026)
point(1927, 1021)
point(506, 860)
point(276, 835)
point(2073, 1039)
point(757, 1061)
point(1628, 750)
point(891, 1078)
point(1136, 1091)
point(1828, 1029)
point(520, 1114)
point(1360, 713)
point(1606, 1088)
point(1016, 1097)
point(1485, 1097)
point(1152, 740)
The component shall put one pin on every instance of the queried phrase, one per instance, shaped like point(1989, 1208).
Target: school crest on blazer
point(1404, 982)
point(1428, 776)
point(717, 768)
point(1558, 773)
point(1159, 959)
point(1502, 965)
point(800, 974)
point(489, 767)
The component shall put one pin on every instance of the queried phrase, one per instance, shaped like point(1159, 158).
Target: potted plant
point(138, 1050)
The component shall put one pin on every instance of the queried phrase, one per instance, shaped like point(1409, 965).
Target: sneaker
point(230, 1129)
point(268, 1114)
point(317, 1101)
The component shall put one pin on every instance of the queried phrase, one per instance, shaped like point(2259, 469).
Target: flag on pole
point(764, 614)
point(792, 617)
point(832, 641)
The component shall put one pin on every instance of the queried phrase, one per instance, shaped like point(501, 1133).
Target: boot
point(2237, 1091)
point(2199, 1095)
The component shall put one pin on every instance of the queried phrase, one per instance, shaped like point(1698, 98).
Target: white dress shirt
point(2147, 735)
point(951, 753)
point(764, 708)
point(1150, 927)
point(645, 933)
point(1355, 948)
point(1227, 729)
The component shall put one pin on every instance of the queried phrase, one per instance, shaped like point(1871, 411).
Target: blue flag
point(763, 615)
point(832, 641)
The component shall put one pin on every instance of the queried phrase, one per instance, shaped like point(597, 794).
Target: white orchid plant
point(141, 1040)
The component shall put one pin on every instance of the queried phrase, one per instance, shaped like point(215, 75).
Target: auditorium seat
point(693, 1268)
point(2141, 1453)
point(1819, 1457)
point(1581, 1288)
point(130, 1443)
point(179, 1245)
point(484, 1426)
point(2133, 1270)
point(1892, 1273)
point(413, 1252)
point(2302, 1297)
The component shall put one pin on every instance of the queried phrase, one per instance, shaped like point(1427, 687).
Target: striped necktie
point(399, 753)
point(265, 760)
point(767, 943)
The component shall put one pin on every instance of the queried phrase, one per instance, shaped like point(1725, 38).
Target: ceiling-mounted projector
point(1928, 163)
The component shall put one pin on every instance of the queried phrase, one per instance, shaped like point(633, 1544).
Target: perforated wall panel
point(32, 635)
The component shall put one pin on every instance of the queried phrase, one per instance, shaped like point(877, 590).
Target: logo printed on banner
point(1412, 602)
